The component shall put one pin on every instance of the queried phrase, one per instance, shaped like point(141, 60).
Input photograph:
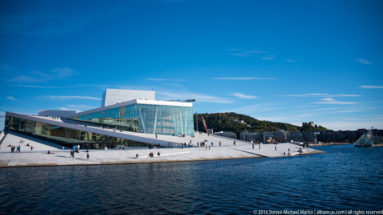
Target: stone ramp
point(116, 156)
point(15, 139)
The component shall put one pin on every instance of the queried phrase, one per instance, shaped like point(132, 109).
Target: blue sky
point(287, 61)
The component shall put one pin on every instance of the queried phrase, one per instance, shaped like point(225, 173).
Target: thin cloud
point(11, 98)
point(100, 86)
point(363, 61)
point(290, 60)
point(163, 79)
point(244, 96)
point(349, 109)
point(62, 72)
point(252, 109)
point(243, 78)
point(321, 95)
point(268, 58)
point(244, 53)
point(333, 101)
point(73, 97)
point(34, 86)
point(187, 95)
point(40, 77)
point(352, 124)
point(344, 95)
point(371, 87)
point(307, 95)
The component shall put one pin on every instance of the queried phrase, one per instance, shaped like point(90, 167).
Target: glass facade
point(144, 118)
point(66, 136)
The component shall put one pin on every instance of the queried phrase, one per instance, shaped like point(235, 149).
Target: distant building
point(311, 124)
point(114, 96)
point(251, 136)
point(229, 134)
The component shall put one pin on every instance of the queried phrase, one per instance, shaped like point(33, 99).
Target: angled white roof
point(138, 137)
point(138, 101)
point(114, 96)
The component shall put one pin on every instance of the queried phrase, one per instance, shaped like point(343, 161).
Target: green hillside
point(238, 122)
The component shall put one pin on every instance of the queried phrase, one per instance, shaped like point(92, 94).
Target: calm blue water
point(344, 178)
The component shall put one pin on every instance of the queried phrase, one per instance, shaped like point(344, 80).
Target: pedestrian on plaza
point(209, 147)
point(252, 145)
point(219, 143)
point(275, 148)
point(259, 146)
point(136, 156)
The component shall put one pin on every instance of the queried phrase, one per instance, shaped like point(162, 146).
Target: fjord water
point(344, 178)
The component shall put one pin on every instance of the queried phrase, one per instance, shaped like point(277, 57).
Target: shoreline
point(327, 144)
point(2, 165)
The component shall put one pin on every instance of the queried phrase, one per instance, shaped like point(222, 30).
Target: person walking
point(219, 143)
point(252, 145)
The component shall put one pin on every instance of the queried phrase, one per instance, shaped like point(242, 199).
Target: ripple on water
point(345, 177)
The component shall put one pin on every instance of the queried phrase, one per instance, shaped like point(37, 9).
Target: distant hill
point(238, 122)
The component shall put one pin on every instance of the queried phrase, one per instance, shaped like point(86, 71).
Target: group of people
point(18, 148)
point(76, 149)
point(151, 154)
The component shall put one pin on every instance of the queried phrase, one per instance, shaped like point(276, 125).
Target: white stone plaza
point(39, 155)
